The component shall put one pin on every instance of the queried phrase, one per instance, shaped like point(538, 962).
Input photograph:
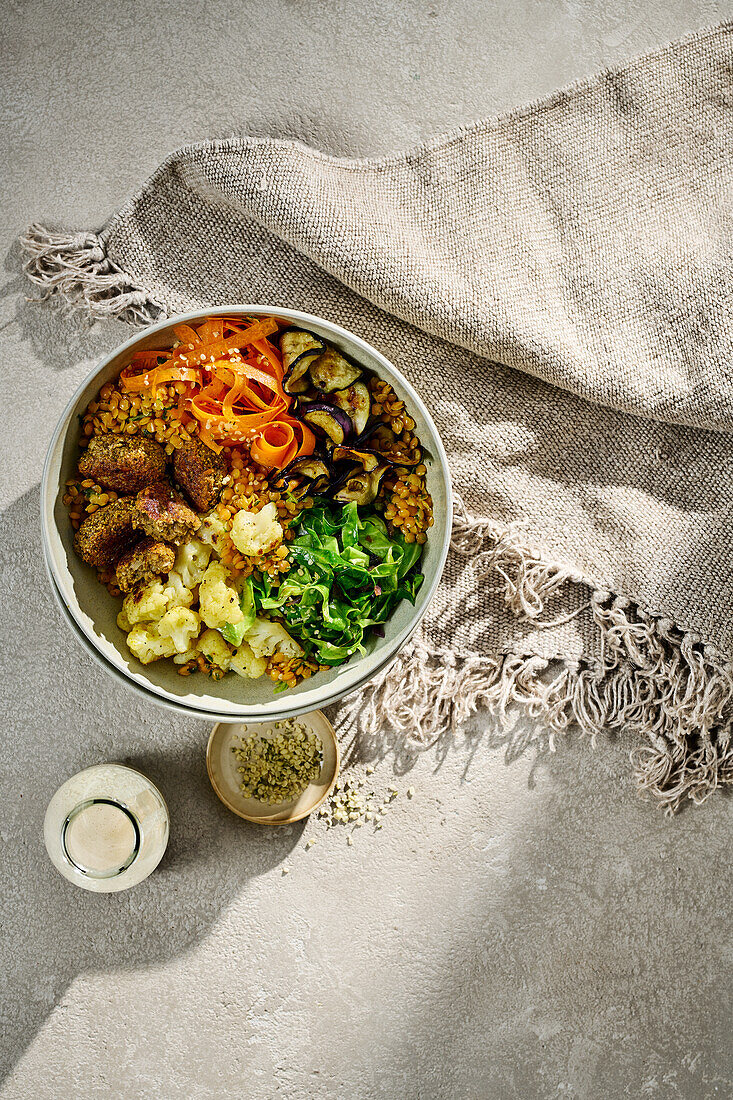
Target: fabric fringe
point(665, 688)
point(75, 268)
point(526, 579)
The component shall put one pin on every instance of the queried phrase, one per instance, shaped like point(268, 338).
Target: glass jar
point(106, 828)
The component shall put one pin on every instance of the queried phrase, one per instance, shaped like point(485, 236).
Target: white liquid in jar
point(106, 828)
point(101, 838)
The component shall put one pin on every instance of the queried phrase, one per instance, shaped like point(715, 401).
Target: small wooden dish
point(221, 765)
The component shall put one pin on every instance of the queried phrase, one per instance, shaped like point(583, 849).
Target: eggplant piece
point(327, 420)
point(363, 460)
point(307, 398)
point(298, 349)
point(310, 467)
point(293, 383)
point(356, 402)
point(331, 371)
point(362, 487)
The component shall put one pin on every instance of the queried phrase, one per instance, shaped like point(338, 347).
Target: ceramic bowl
point(94, 612)
point(222, 768)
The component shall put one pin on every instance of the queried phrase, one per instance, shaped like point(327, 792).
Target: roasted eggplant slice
point(327, 420)
point(310, 467)
point(298, 350)
point(363, 460)
point(362, 487)
point(331, 371)
point(356, 403)
point(307, 398)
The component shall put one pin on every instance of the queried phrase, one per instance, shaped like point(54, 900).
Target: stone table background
point(520, 929)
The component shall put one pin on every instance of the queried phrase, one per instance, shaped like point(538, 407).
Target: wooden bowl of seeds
point(274, 773)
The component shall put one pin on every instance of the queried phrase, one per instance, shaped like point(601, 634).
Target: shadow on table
point(586, 955)
point(63, 714)
point(59, 338)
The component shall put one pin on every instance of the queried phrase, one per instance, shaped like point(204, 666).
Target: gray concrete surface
point(522, 928)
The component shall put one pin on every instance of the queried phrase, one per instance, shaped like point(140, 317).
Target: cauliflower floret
point(191, 561)
point(188, 655)
point(123, 622)
point(245, 664)
point(145, 605)
point(212, 645)
point(177, 594)
point(211, 531)
point(218, 602)
point(181, 625)
point(256, 533)
point(147, 645)
point(265, 638)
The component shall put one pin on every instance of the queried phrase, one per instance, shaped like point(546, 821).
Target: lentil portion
point(404, 498)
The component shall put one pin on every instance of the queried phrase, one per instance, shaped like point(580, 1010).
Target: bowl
point(222, 768)
point(94, 612)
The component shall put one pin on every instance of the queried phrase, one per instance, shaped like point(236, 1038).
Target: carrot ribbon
point(233, 377)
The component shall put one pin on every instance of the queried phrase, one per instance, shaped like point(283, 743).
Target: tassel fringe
point(667, 689)
point(74, 268)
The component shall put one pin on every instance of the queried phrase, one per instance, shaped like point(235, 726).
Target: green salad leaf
point(347, 577)
point(235, 634)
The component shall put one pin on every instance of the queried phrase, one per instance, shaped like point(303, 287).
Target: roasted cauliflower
point(256, 533)
point(218, 601)
point(212, 646)
point(181, 625)
point(212, 531)
point(177, 593)
point(265, 638)
point(246, 665)
point(145, 605)
point(147, 645)
point(191, 561)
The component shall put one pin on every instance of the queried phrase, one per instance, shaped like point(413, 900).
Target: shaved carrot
point(233, 380)
point(186, 335)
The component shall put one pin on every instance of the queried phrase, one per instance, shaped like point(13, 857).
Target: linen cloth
point(557, 284)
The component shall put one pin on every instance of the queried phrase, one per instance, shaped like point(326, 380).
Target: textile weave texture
point(558, 285)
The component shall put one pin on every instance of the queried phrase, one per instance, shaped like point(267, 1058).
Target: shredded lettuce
point(347, 576)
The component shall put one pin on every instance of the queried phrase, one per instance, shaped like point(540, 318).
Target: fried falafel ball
point(161, 513)
point(104, 536)
point(200, 473)
point(125, 463)
point(143, 562)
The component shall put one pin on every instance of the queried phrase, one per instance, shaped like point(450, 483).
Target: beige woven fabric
point(557, 283)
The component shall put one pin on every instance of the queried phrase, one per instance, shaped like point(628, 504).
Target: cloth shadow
point(53, 931)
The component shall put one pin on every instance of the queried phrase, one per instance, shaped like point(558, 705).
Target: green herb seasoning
point(278, 768)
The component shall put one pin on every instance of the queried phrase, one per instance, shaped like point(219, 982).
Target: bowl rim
point(307, 701)
point(264, 820)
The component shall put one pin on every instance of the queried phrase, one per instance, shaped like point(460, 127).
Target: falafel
point(122, 462)
point(163, 514)
point(144, 561)
point(200, 473)
point(104, 536)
